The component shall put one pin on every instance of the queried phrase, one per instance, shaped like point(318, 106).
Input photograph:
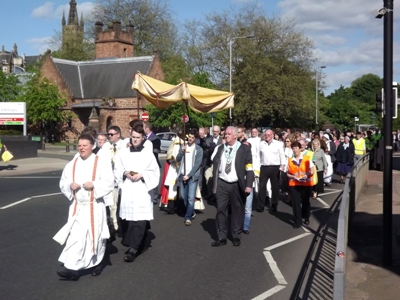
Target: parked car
point(166, 139)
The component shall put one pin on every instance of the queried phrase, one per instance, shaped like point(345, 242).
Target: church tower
point(72, 32)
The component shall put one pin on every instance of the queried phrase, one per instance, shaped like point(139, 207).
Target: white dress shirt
point(271, 154)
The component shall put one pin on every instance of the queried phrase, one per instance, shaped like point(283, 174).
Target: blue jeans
point(188, 192)
point(247, 210)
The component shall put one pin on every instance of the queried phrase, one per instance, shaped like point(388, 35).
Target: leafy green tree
point(364, 88)
point(271, 73)
point(10, 87)
point(43, 101)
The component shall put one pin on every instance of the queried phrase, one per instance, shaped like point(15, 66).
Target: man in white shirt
point(272, 160)
point(233, 181)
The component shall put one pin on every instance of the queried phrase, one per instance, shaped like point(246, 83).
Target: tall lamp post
point(317, 76)
point(231, 40)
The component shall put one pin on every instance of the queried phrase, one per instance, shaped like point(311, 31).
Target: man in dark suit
point(155, 140)
point(212, 141)
point(233, 180)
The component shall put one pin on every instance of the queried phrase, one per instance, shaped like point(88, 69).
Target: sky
point(348, 39)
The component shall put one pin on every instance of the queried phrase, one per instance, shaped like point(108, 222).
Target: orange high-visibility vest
point(300, 171)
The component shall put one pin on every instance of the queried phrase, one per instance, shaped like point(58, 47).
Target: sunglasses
point(111, 134)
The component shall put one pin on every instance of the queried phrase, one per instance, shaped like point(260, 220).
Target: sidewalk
point(366, 277)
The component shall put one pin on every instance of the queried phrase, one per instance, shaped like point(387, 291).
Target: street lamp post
point(317, 73)
point(231, 40)
point(356, 119)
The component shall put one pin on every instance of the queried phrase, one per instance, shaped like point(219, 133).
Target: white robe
point(172, 174)
point(82, 251)
point(136, 203)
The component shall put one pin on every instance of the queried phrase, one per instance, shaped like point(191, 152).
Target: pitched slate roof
point(111, 77)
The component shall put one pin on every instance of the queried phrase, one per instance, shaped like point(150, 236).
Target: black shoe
point(260, 209)
point(307, 221)
point(219, 242)
point(67, 274)
point(296, 226)
point(169, 211)
point(274, 208)
point(236, 242)
point(130, 257)
point(246, 231)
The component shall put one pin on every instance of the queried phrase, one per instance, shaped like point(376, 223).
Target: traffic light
point(394, 102)
point(379, 102)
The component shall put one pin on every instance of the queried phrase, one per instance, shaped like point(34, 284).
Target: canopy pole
point(184, 137)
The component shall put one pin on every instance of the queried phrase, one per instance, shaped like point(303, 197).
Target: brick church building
point(99, 91)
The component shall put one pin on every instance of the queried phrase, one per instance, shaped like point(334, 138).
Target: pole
point(316, 98)
point(230, 78)
point(387, 137)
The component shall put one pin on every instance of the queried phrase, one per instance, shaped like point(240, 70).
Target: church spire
point(73, 13)
point(63, 19)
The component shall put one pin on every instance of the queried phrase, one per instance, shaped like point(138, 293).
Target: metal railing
point(354, 184)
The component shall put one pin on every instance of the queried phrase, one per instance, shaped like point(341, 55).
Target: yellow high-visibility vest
point(359, 146)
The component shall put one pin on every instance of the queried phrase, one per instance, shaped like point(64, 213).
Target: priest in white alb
point(85, 181)
point(137, 173)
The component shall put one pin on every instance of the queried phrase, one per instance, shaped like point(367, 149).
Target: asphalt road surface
point(181, 264)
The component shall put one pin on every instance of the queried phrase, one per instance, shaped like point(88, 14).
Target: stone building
point(11, 62)
point(101, 88)
point(73, 30)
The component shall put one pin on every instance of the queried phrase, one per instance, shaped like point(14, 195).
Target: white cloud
point(47, 10)
point(41, 45)
point(330, 40)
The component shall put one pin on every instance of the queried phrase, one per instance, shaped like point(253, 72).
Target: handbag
point(7, 156)
point(199, 204)
point(315, 176)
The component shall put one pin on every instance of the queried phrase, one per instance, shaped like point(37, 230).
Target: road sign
point(185, 119)
point(144, 116)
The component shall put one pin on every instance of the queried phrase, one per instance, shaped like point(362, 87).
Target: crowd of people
point(113, 183)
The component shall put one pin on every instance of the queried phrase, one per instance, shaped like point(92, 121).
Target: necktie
point(228, 166)
point(115, 148)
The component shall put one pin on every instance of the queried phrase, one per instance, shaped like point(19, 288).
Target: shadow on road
point(9, 167)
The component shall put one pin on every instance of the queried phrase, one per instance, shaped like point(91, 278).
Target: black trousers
point(268, 173)
point(229, 192)
point(300, 196)
point(135, 235)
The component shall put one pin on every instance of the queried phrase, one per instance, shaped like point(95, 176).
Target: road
point(181, 264)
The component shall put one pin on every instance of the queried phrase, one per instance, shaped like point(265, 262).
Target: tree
point(154, 25)
point(43, 101)
point(10, 87)
point(271, 73)
point(364, 88)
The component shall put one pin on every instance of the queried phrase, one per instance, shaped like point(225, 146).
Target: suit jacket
point(243, 166)
point(155, 140)
point(210, 147)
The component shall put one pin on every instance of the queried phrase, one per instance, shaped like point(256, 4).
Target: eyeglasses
point(111, 134)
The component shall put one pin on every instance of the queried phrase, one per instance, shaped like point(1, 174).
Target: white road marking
point(286, 242)
point(334, 192)
point(274, 267)
point(322, 201)
point(269, 293)
point(27, 199)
